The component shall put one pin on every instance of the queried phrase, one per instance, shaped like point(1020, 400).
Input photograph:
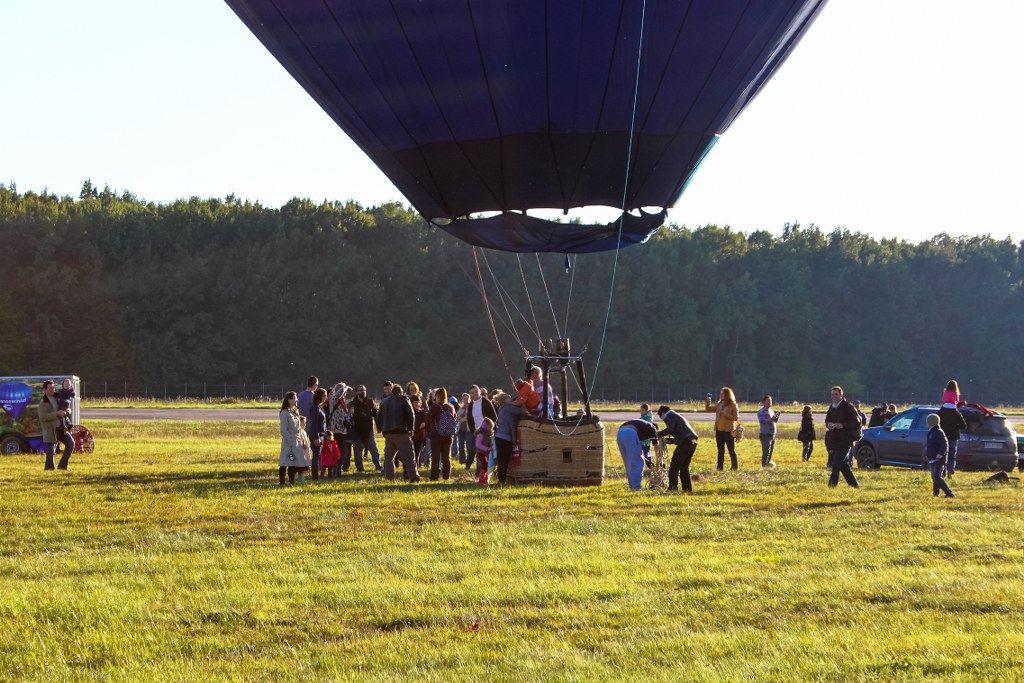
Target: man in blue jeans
point(364, 415)
point(630, 435)
point(767, 419)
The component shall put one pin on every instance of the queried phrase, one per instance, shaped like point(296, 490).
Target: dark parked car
point(1020, 452)
point(988, 443)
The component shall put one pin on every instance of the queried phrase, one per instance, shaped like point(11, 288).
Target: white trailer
point(19, 415)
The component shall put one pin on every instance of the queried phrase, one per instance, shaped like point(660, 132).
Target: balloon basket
point(564, 452)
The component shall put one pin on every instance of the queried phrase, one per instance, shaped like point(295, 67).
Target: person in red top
point(329, 455)
point(528, 397)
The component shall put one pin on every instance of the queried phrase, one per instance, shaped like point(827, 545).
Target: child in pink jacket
point(484, 444)
point(330, 454)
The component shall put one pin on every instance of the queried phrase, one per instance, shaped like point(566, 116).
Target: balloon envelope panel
point(507, 105)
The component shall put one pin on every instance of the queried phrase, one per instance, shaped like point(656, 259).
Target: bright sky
point(892, 117)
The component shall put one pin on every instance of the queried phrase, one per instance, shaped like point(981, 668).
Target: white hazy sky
point(893, 117)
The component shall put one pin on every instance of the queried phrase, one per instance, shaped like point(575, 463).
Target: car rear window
point(986, 425)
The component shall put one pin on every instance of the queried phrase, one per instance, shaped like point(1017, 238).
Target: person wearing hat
point(685, 438)
point(629, 436)
point(935, 450)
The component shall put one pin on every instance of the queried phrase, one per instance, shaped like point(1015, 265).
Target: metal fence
point(216, 392)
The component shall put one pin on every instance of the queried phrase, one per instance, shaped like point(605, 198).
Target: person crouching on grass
point(330, 455)
point(629, 436)
point(935, 450)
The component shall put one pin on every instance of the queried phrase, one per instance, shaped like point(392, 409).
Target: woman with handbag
point(727, 425)
point(806, 435)
point(293, 458)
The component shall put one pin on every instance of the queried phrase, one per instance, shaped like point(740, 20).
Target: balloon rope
point(568, 300)
point(506, 299)
point(529, 299)
point(487, 307)
point(625, 194)
point(548, 294)
point(510, 325)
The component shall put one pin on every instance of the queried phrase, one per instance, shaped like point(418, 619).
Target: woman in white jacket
point(294, 457)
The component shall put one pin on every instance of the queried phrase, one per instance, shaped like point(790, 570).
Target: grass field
point(171, 554)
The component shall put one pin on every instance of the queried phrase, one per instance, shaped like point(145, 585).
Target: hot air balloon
point(507, 106)
point(15, 397)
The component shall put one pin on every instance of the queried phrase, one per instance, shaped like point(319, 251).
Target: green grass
point(171, 554)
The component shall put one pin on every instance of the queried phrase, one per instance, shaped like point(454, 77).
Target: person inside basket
point(630, 435)
point(539, 385)
point(528, 397)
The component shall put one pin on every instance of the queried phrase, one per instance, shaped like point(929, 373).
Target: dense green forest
point(221, 290)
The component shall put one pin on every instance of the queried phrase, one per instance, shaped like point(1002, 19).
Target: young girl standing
point(329, 455)
point(806, 434)
point(293, 458)
point(484, 443)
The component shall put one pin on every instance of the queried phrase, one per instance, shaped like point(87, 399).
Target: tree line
point(223, 290)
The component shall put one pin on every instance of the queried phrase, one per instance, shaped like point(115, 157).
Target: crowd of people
point(326, 432)
point(844, 421)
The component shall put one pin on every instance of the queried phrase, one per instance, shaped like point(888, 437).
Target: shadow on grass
point(827, 504)
point(208, 482)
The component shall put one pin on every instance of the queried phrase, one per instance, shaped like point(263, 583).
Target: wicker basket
point(563, 453)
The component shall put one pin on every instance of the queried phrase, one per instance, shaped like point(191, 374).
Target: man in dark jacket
point(951, 422)
point(364, 415)
point(677, 427)
point(877, 418)
point(842, 423)
point(396, 422)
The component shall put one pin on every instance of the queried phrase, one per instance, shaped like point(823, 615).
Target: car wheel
point(10, 445)
point(867, 459)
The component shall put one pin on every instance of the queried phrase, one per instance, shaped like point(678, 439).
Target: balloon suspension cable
point(547, 293)
point(510, 325)
point(506, 299)
point(529, 299)
point(487, 307)
point(625, 194)
point(568, 300)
